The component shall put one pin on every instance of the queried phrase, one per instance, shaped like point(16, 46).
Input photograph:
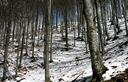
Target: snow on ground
point(68, 65)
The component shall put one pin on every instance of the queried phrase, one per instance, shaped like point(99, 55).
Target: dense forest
point(63, 40)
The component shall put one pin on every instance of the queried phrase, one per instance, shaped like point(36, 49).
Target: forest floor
point(68, 65)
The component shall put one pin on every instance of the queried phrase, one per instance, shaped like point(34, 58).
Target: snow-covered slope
point(68, 65)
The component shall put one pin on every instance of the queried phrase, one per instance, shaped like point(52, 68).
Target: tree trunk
point(18, 50)
point(22, 45)
point(33, 38)
point(103, 14)
point(56, 20)
point(96, 60)
point(51, 60)
point(113, 20)
point(46, 39)
point(6, 44)
point(7, 37)
point(100, 34)
point(125, 16)
point(66, 28)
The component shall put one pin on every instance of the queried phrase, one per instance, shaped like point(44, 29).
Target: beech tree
point(7, 25)
point(46, 38)
point(98, 67)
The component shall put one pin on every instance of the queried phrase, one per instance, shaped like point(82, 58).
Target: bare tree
point(96, 60)
point(46, 38)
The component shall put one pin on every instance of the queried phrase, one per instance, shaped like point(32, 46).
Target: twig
point(77, 77)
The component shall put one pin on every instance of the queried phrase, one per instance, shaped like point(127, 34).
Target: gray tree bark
point(125, 16)
point(46, 39)
point(96, 60)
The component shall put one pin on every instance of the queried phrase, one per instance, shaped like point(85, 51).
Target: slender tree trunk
point(78, 20)
point(74, 36)
point(66, 28)
point(103, 14)
point(46, 39)
point(100, 34)
point(13, 31)
point(7, 37)
point(51, 60)
point(33, 39)
point(125, 16)
point(117, 21)
point(27, 34)
point(22, 45)
point(56, 20)
point(6, 44)
point(18, 50)
point(113, 21)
